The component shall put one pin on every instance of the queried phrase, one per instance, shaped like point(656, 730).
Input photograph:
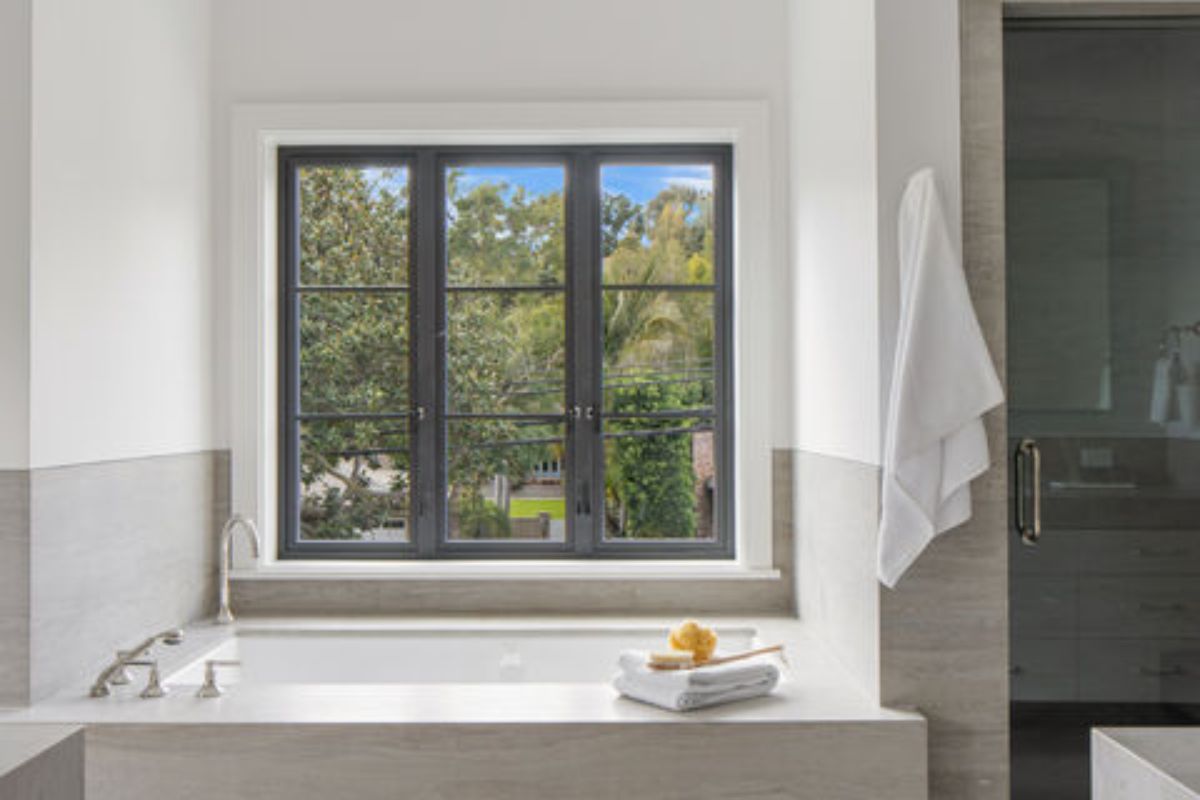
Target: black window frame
point(427, 415)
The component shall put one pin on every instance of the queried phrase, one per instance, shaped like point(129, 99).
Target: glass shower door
point(1103, 281)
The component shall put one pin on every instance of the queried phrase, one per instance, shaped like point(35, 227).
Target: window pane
point(353, 225)
point(354, 481)
point(353, 352)
point(506, 352)
point(660, 479)
point(504, 226)
point(657, 224)
point(506, 480)
point(658, 350)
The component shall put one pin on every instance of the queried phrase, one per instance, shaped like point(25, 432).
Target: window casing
point(410, 304)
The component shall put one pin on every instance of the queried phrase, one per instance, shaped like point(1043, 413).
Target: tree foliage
point(506, 351)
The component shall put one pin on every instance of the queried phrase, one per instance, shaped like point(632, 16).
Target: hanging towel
point(943, 382)
point(1161, 391)
point(1169, 373)
point(686, 690)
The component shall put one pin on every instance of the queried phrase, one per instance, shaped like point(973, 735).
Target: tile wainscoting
point(14, 587)
point(104, 553)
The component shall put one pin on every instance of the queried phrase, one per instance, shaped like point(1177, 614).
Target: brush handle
point(712, 662)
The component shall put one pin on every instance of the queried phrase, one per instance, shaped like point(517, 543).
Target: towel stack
point(689, 689)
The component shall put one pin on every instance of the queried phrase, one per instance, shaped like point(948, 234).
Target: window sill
point(507, 571)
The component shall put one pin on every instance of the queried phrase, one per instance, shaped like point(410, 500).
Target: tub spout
point(225, 555)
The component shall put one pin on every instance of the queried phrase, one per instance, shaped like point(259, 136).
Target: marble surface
point(492, 741)
point(118, 551)
point(14, 588)
point(41, 762)
point(837, 512)
point(20, 744)
point(1146, 764)
point(816, 689)
point(703, 761)
point(944, 630)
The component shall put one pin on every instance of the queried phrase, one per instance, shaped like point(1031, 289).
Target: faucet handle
point(121, 676)
point(210, 688)
point(154, 688)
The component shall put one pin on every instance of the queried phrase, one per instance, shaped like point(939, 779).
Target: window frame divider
point(583, 290)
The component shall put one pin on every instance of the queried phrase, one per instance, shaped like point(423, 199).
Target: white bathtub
point(289, 654)
point(512, 707)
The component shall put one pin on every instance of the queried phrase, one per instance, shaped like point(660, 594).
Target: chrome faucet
point(225, 555)
point(115, 673)
point(210, 688)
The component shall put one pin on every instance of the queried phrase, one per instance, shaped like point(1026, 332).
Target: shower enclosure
point(1103, 282)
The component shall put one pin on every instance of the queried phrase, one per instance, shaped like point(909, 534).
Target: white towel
point(1161, 390)
point(1169, 373)
point(686, 690)
point(942, 384)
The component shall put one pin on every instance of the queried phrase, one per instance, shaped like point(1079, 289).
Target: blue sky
point(640, 182)
point(536, 180)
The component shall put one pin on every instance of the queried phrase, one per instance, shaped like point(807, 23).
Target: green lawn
point(529, 508)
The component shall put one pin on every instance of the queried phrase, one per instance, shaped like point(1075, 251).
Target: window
point(505, 352)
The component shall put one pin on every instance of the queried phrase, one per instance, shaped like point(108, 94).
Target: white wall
point(835, 256)
point(874, 96)
point(15, 50)
point(388, 52)
point(835, 227)
point(919, 125)
point(121, 295)
point(874, 92)
point(314, 51)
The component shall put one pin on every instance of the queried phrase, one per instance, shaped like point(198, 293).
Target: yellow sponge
point(694, 637)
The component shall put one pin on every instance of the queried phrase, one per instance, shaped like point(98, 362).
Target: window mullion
point(427, 413)
point(584, 276)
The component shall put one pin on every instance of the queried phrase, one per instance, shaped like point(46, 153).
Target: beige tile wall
point(944, 630)
point(119, 550)
point(14, 588)
point(94, 557)
point(670, 761)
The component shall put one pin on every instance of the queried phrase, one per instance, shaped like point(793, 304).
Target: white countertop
point(19, 744)
point(814, 690)
point(1170, 755)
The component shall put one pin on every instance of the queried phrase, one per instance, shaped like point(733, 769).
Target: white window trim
point(258, 132)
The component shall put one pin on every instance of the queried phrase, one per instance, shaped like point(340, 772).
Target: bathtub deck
point(817, 736)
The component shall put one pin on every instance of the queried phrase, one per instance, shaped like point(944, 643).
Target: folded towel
point(942, 383)
point(685, 690)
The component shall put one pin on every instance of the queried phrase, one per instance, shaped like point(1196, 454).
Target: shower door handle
point(1027, 494)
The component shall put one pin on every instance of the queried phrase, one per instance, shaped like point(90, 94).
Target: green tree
point(506, 350)
point(650, 482)
point(353, 350)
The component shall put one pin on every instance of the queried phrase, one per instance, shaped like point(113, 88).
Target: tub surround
point(491, 740)
point(1137, 763)
point(816, 689)
point(14, 587)
point(119, 549)
point(944, 630)
point(702, 761)
point(101, 554)
point(41, 761)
